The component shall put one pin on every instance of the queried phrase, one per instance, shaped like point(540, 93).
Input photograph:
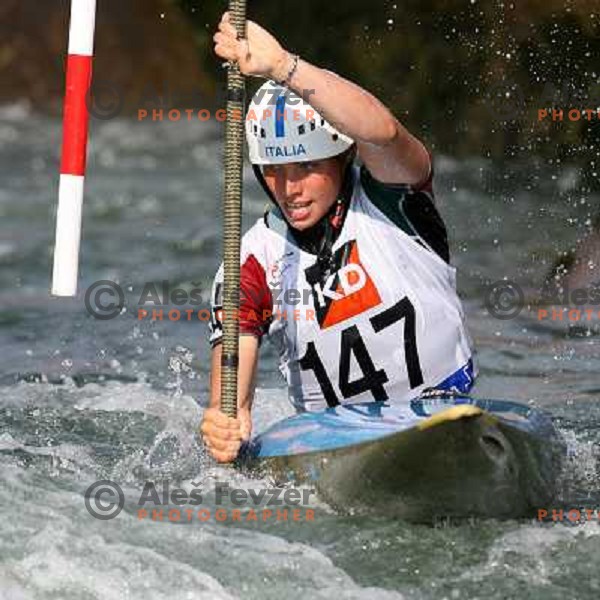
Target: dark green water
point(84, 400)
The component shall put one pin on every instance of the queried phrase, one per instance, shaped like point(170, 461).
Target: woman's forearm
point(347, 106)
point(248, 353)
point(388, 150)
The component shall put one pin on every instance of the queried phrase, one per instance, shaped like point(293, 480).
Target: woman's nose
point(293, 185)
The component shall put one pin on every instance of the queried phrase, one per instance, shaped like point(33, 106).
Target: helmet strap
point(333, 223)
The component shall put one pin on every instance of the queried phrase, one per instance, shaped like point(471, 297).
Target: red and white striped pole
point(75, 135)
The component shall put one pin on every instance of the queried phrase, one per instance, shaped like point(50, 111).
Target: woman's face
point(305, 191)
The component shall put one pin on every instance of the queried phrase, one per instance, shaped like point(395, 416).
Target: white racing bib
point(384, 324)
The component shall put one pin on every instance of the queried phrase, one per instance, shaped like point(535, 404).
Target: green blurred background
point(467, 76)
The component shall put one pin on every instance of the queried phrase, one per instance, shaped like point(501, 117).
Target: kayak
point(444, 456)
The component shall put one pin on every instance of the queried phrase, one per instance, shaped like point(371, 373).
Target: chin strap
point(331, 225)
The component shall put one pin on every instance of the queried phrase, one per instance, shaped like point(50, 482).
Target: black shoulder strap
point(413, 211)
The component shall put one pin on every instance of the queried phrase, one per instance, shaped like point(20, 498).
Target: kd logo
point(347, 292)
point(351, 279)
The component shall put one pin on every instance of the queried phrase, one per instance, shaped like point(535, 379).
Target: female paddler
point(348, 272)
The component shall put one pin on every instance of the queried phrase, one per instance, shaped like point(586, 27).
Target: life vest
point(381, 320)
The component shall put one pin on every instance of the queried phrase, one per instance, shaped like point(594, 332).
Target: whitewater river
point(85, 400)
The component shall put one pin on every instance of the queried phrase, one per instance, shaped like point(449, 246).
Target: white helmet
point(282, 128)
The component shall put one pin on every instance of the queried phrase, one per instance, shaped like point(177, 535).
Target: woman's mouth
point(297, 211)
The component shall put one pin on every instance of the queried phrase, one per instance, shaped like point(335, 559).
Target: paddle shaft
point(232, 220)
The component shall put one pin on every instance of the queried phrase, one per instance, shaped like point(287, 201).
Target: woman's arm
point(223, 435)
point(248, 353)
point(389, 151)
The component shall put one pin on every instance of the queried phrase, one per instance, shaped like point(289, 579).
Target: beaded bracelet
point(285, 82)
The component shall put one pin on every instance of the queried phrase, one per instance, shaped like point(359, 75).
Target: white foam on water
point(270, 405)
point(68, 561)
point(51, 547)
point(7, 250)
point(529, 554)
point(159, 136)
point(62, 458)
point(16, 112)
point(580, 471)
point(176, 449)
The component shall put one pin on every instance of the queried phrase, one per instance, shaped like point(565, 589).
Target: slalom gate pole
point(74, 146)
